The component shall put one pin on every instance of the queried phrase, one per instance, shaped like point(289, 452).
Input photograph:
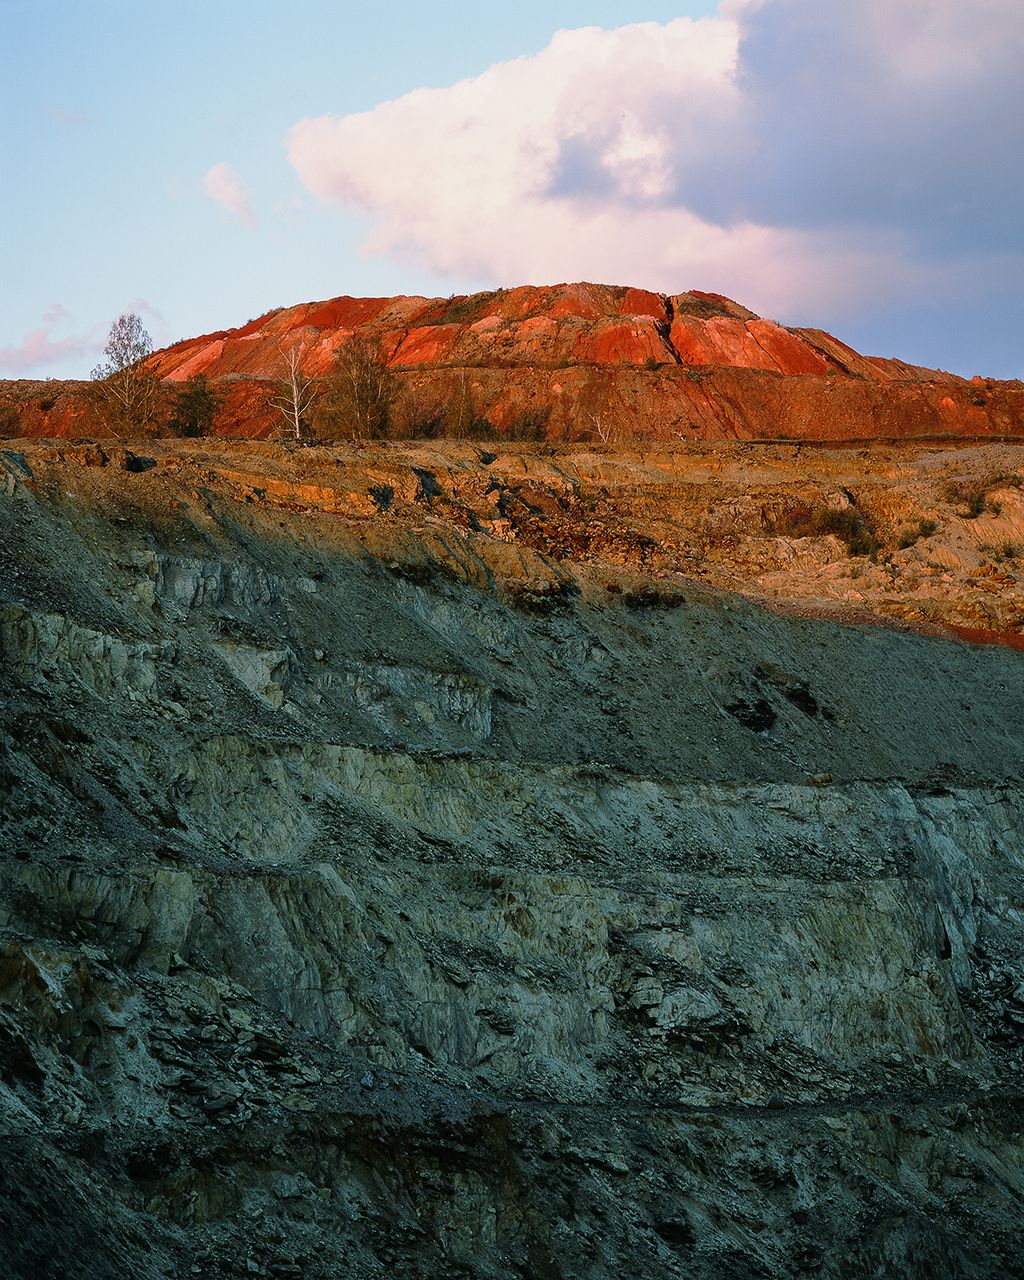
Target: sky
point(850, 164)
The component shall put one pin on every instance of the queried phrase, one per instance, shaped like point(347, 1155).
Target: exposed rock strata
point(398, 882)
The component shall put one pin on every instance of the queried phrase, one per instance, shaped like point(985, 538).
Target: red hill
point(612, 362)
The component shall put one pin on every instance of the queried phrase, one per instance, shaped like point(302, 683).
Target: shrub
point(910, 534)
point(1005, 551)
point(461, 420)
point(972, 495)
point(530, 424)
point(848, 525)
point(469, 427)
point(453, 419)
point(421, 420)
point(195, 408)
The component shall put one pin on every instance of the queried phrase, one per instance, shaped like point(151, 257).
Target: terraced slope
point(394, 889)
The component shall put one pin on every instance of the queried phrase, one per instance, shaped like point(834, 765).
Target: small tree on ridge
point(362, 391)
point(125, 388)
point(196, 405)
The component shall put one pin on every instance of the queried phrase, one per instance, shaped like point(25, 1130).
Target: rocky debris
point(382, 896)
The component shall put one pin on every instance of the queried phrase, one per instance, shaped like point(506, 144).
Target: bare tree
point(362, 392)
point(296, 394)
point(125, 389)
point(461, 416)
point(420, 415)
point(600, 427)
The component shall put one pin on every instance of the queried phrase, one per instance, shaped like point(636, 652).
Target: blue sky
point(804, 156)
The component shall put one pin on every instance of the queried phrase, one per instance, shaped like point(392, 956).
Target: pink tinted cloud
point(59, 116)
point(222, 184)
point(145, 308)
point(40, 347)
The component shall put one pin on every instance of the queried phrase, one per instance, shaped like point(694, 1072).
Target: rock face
point(526, 327)
point(578, 361)
point(395, 884)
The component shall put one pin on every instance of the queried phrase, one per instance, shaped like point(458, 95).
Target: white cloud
point(793, 153)
point(222, 183)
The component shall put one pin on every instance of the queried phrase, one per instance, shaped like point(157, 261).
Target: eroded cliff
point(415, 863)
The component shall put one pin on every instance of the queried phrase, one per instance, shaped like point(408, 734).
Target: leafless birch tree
point(296, 394)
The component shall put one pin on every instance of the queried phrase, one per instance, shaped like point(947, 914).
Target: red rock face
point(623, 362)
point(530, 327)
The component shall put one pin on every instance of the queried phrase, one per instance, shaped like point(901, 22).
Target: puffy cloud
point(799, 154)
point(40, 347)
point(882, 115)
point(222, 183)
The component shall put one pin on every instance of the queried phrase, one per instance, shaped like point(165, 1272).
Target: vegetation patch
point(461, 310)
point(542, 597)
point(847, 524)
point(195, 408)
point(971, 496)
point(1003, 551)
point(653, 595)
point(451, 417)
point(530, 424)
point(912, 533)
